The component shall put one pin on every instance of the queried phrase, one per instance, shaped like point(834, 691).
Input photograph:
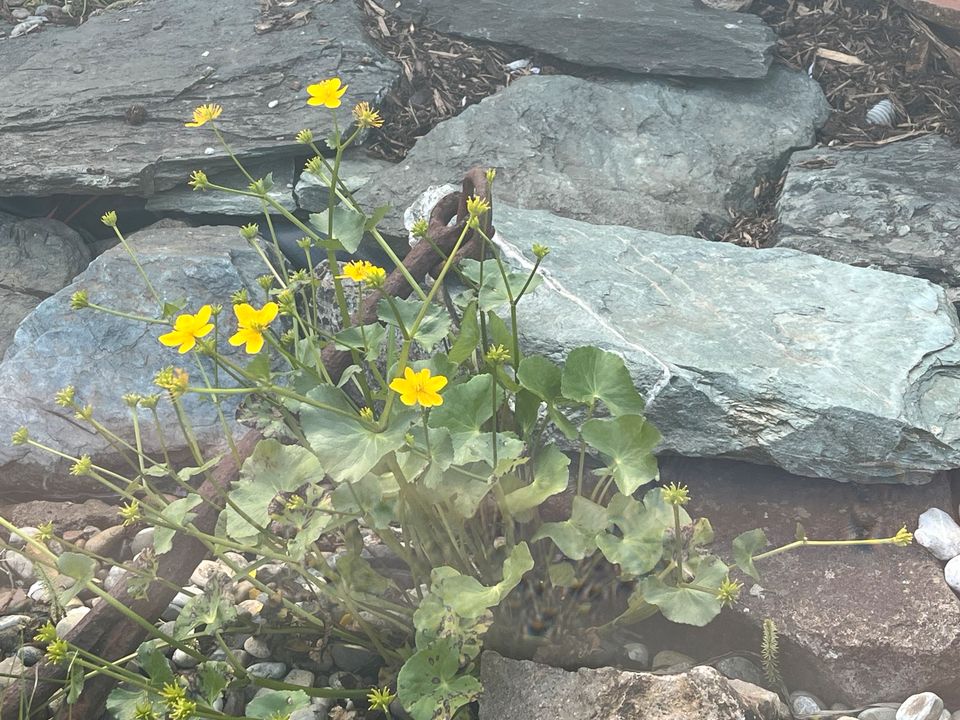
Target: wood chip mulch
point(441, 75)
point(861, 52)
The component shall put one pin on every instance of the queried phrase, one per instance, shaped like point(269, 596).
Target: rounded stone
point(250, 608)
point(951, 573)
point(114, 575)
point(740, 668)
point(669, 658)
point(922, 706)
point(142, 540)
point(638, 653)
point(303, 678)
point(107, 542)
point(804, 703)
point(269, 670)
point(206, 571)
point(30, 655)
point(38, 592)
point(183, 660)
point(354, 658)
point(70, 620)
point(938, 533)
point(10, 671)
point(257, 647)
point(20, 565)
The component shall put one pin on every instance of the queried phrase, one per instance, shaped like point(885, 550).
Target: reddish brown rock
point(64, 515)
point(942, 12)
point(856, 625)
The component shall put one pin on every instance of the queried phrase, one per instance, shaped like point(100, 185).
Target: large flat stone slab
point(777, 357)
point(894, 207)
point(64, 115)
point(680, 37)
point(856, 625)
point(645, 153)
point(104, 356)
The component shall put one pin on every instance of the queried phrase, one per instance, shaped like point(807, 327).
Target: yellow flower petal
point(326, 93)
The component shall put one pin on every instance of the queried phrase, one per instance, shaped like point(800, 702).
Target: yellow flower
point(251, 325)
point(204, 114)
point(366, 116)
point(419, 388)
point(380, 699)
point(109, 218)
point(358, 270)
point(57, 651)
point(187, 329)
point(326, 93)
point(130, 512)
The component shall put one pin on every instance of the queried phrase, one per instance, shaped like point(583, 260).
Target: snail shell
point(883, 113)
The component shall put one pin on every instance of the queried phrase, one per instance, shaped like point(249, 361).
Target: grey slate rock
point(645, 153)
point(356, 171)
point(105, 356)
point(185, 199)
point(680, 37)
point(894, 207)
point(777, 357)
point(525, 689)
point(67, 132)
point(37, 257)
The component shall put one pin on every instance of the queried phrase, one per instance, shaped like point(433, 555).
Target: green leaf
point(378, 214)
point(541, 377)
point(497, 331)
point(154, 662)
point(123, 700)
point(348, 225)
point(628, 442)
point(212, 677)
point(469, 599)
point(429, 686)
point(272, 469)
point(702, 534)
point(433, 328)
point(592, 374)
point(745, 546)
point(638, 546)
point(176, 513)
point(345, 445)
point(493, 291)
point(213, 608)
point(562, 574)
point(576, 537)
point(366, 339)
point(75, 675)
point(357, 575)
point(466, 409)
point(526, 412)
point(550, 477)
point(276, 703)
point(469, 336)
point(687, 605)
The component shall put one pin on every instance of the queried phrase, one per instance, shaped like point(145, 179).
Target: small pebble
point(114, 575)
point(303, 678)
point(938, 533)
point(38, 592)
point(205, 572)
point(343, 680)
point(273, 103)
point(638, 653)
point(257, 647)
point(250, 608)
point(804, 703)
point(20, 14)
point(922, 706)
point(16, 539)
point(10, 670)
point(183, 660)
point(671, 659)
point(878, 713)
point(354, 658)
point(143, 539)
point(270, 670)
point(951, 572)
point(107, 542)
point(30, 655)
point(70, 620)
point(740, 668)
point(13, 624)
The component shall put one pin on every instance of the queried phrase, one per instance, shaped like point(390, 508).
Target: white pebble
point(257, 647)
point(939, 533)
point(952, 573)
point(922, 706)
point(273, 103)
point(70, 620)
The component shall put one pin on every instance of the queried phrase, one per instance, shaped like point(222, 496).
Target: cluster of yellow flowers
point(251, 325)
point(415, 387)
